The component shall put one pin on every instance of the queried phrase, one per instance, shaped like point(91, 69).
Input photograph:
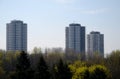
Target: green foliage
point(63, 71)
point(98, 72)
point(1, 59)
point(77, 64)
point(95, 58)
point(31, 66)
point(12, 75)
point(81, 73)
point(23, 62)
point(53, 58)
point(42, 70)
point(36, 50)
point(70, 57)
point(23, 70)
point(113, 63)
point(79, 70)
point(2, 73)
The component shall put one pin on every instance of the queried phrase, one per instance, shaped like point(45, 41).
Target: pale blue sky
point(47, 20)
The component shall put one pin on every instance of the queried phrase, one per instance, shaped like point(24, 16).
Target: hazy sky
point(47, 20)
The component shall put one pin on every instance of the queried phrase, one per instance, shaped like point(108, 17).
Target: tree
point(2, 73)
point(10, 60)
point(37, 50)
point(113, 63)
point(42, 70)
point(81, 73)
point(54, 72)
point(23, 70)
point(98, 72)
point(63, 71)
point(79, 70)
point(53, 57)
point(72, 56)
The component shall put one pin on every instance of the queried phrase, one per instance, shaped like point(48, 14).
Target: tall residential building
point(16, 36)
point(95, 44)
point(75, 38)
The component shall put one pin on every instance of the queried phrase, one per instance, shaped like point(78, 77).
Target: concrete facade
point(75, 38)
point(16, 36)
point(95, 44)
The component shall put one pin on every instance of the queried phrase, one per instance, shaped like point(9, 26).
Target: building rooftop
point(94, 32)
point(16, 21)
point(74, 24)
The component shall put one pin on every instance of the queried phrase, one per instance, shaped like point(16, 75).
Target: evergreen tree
point(63, 71)
point(23, 70)
point(23, 62)
point(42, 70)
point(54, 72)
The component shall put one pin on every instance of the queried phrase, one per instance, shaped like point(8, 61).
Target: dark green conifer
point(63, 71)
point(23, 70)
point(42, 70)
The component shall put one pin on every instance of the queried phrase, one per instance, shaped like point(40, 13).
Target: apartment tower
point(95, 44)
point(16, 36)
point(75, 39)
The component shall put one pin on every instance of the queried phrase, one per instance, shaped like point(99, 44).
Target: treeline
point(55, 64)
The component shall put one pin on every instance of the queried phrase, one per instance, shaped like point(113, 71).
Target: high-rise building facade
point(75, 38)
point(16, 36)
point(95, 44)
